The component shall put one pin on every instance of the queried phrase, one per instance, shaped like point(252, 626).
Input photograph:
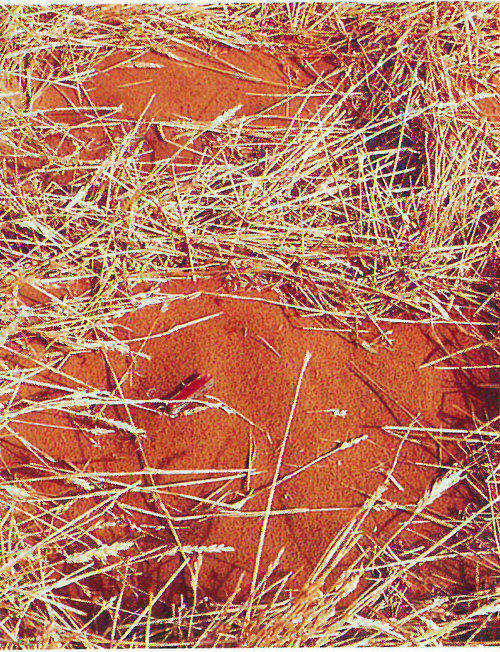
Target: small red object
point(186, 395)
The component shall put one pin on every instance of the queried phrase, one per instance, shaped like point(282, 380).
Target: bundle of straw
point(381, 207)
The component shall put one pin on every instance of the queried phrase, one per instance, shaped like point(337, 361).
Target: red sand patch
point(254, 354)
point(166, 104)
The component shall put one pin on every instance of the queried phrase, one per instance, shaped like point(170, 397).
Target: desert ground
point(249, 325)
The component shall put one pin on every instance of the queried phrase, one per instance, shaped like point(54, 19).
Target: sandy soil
point(254, 353)
point(166, 105)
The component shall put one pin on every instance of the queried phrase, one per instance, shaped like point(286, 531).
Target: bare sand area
point(362, 418)
point(169, 106)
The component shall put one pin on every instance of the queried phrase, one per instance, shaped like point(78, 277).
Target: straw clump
point(382, 206)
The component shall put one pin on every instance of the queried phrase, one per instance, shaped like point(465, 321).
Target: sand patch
point(170, 105)
point(348, 435)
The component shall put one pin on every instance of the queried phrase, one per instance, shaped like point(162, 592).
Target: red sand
point(255, 354)
point(161, 90)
